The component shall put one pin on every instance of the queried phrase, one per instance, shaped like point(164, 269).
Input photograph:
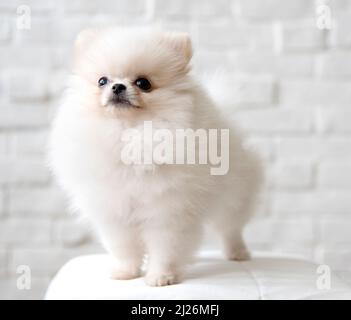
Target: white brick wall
point(2, 202)
point(334, 175)
point(36, 201)
point(292, 96)
point(301, 36)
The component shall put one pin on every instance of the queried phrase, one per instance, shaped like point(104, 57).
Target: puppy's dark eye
point(102, 81)
point(143, 83)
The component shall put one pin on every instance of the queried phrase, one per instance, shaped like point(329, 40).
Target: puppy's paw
point(119, 273)
point(160, 279)
point(241, 254)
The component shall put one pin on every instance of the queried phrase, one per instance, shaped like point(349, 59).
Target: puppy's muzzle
point(119, 95)
point(119, 89)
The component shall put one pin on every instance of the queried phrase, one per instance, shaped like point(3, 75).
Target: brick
point(68, 31)
point(301, 36)
point(9, 290)
point(60, 57)
point(25, 231)
point(24, 116)
point(75, 23)
point(251, 63)
point(260, 36)
point(71, 233)
point(291, 175)
point(118, 7)
point(274, 120)
point(315, 93)
point(3, 261)
point(334, 64)
point(276, 9)
point(287, 65)
point(234, 35)
point(37, 201)
point(293, 65)
point(2, 89)
point(336, 120)
point(29, 142)
point(340, 6)
point(262, 204)
point(180, 25)
point(43, 31)
point(5, 29)
point(27, 85)
point(23, 171)
point(57, 85)
point(314, 148)
point(254, 92)
point(338, 257)
point(242, 91)
point(334, 175)
point(54, 257)
point(33, 258)
point(3, 143)
point(328, 203)
point(343, 275)
point(336, 232)
point(2, 202)
point(340, 38)
point(287, 236)
point(37, 6)
point(231, 34)
point(195, 8)
point(208, 60)
point(264, 146)
point(26, 58)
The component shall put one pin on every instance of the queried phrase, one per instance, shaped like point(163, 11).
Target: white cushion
point(210, 277)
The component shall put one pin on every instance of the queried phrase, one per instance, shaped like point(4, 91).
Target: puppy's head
point(130, 71)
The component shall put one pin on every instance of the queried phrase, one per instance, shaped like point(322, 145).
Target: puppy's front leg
point(124, 244)
point(170, 246)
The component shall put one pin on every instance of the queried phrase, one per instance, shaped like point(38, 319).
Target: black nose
point(118, 88)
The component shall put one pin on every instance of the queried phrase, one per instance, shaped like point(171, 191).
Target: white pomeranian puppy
point(123, 78)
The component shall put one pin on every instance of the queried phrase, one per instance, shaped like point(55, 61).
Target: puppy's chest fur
point(89, 164)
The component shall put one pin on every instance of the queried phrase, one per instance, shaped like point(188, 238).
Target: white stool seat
point(210, 277)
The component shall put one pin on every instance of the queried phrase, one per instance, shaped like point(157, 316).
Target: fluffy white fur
point(138, 211)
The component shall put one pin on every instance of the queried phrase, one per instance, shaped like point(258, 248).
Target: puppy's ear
point(83, 40)
point(181, 43)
